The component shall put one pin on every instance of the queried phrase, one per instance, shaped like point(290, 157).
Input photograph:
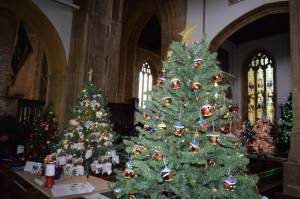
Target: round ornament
point(162, 125)
point(157, 155)
point(166, 174)
point(179, 129)
point(218, 78)
point(206, 110)
point(201, 122)
point(175, 83)
point(194, 146)
point(195, 85)
point(138, 149)
point(132, 196)
point(117, 192)
point(226, 115)
point(129, 173)
point(234, 109)
point(230, 183)
point(213, 137)
point(146, 117)
point(161, 82)
point(198, 61)
point(225, 129)
point(167, 101)
point(210, 163)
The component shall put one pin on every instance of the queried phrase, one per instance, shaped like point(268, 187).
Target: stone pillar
point(291, 178)
point(8, 29)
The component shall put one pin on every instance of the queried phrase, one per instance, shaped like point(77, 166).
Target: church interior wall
point(218, 14)
point(61, 18)
point(278, 46)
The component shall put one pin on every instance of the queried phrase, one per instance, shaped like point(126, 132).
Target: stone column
point(8, 29)
point(291, 178)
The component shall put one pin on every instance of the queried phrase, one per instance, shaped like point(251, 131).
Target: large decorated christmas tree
point(87, 142)
point(287, 124)
point(43, 137)
point(184, 149)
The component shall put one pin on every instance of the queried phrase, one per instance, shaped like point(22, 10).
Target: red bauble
point(206, 110)
point(198, 62)
point(175, 84)
point(218, 78)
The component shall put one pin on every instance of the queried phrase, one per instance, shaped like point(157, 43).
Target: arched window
point(145, 83)
point(260, 87)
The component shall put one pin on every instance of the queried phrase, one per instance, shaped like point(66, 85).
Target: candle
point(50, 170)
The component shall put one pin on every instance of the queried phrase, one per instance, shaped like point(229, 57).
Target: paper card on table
point(71, 189)
point(29, 165)
point(95, 196)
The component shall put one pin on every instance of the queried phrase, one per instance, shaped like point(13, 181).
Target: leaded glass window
point(260, 88)
point(145, 84)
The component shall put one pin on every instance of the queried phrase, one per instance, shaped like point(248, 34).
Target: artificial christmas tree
point(87, 142)
point(287, 124)
point(43, 137)
point(182, 151)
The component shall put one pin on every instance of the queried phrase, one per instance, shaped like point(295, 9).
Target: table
point(22, 185)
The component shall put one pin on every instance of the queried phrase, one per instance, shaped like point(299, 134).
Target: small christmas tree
point(87, 142)
point(44, 135)
point(263, 141)
point(183, 149)
point(287, 124)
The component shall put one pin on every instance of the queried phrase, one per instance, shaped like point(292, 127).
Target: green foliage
point(43, 136)
point(195, 174)
point(287, 124)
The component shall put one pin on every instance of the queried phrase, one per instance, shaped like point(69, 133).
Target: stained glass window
point(145, 84)
point(260, 88)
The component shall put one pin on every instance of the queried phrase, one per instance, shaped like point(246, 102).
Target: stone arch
point(171, 15)
point(38, 22)
point(257, 13)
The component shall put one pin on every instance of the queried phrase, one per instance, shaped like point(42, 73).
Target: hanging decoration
point(162, 125)
point(179, 129)
point(230, 183)
point(194, 146)
point(146, 117)
point(175, 83)
point(167, 101)
point(201, 122)
point(138, 149)
point(161, 82)
point(198, 62)
point(195, 85)
point(206, 110)
point(218, 78)
point(157, 155)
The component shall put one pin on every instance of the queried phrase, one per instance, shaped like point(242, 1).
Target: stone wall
point(8, 28)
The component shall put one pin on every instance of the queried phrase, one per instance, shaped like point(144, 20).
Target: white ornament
point(99, 114)
point(94, 103)
point(78, 146)
point(79, 128)
point(73, 123)
point(88, 154)
point(68, 169)
point(88, 124)
point(79, 170)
